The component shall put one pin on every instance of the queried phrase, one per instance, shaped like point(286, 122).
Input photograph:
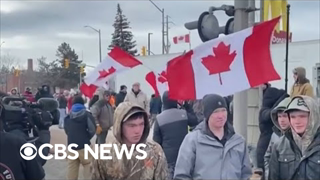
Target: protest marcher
point(297, 154)
point(213, 150)
point(132, 126)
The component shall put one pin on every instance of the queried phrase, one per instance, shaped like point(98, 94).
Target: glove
point(98, 129)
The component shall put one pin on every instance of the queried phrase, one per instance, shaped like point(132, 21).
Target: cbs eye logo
point(28, 151)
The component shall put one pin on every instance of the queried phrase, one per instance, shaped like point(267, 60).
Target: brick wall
point(27, 78)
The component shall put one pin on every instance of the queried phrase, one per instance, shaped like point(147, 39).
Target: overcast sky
point(32, 29)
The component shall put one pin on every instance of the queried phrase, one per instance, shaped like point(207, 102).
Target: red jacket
point(28, 95)
point(69, 104)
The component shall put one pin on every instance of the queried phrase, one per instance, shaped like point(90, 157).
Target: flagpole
point(287, 49)
point(189, 41)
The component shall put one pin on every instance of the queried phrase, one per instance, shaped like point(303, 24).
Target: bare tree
point(7, 63)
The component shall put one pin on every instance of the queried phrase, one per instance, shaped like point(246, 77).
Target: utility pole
point(163, 44)
point(287, 49)
point(167, 34)
point(100, 45)
point(261, 10)
point(254, 100)
point(241, 98)
point(261, 20)
point(149, 34)
point(251, 21)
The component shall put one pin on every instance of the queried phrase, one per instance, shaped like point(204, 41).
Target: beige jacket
point(154, 167)
point(140, 99)
point(302, 89)
point(302, 85)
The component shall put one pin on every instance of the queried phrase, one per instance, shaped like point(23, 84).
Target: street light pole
point(163, 45)
point(149, 34)
point(100, 45)
point(162, 11)
point(99, 32)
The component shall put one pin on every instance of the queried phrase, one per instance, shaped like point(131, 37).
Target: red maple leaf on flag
point(221, 60)
point(105, 73)
point(162, 77)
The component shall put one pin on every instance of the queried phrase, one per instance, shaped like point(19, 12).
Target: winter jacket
point(271, 98)
point(79, 126)
point(28, 95)
point(63, 102)
point(120, 97)
point(69, 103)
point(302, 86)
point(154, 167)
point(155, 105)
point(277, 132)
point(288, 161)
point(302, 89)
point(102, 111)
point(139, 98)
point(112, 101)
point(202, 156)
point(171, 127)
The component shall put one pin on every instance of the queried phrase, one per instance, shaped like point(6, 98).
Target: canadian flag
point(117, 61)
point(158, 81)
point(224, 66)
point(181, 39)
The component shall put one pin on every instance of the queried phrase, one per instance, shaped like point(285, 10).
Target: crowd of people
point(185, 131)
point(195, 139)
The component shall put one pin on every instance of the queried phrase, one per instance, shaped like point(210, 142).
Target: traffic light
point(143, 51)
point(82, 69)
point(66, 63)
point(208, 25)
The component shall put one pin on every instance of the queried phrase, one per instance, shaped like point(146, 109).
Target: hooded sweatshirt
point(203, 156)
point(271, 98)
point(154, 167)
point(295, 157)
point(278, 132)
point(302, 86)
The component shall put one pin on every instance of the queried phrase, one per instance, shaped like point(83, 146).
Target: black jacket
point(171, 126)
point(271, 98)
point(287, 163)
point(12, 163)
point(63, 102)
point(120, 97)
point(80, 128)
point(155, 105)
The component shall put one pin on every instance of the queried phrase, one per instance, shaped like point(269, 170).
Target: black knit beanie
point(211, 102)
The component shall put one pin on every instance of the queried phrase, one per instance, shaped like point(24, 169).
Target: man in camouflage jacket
point(131, 126)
